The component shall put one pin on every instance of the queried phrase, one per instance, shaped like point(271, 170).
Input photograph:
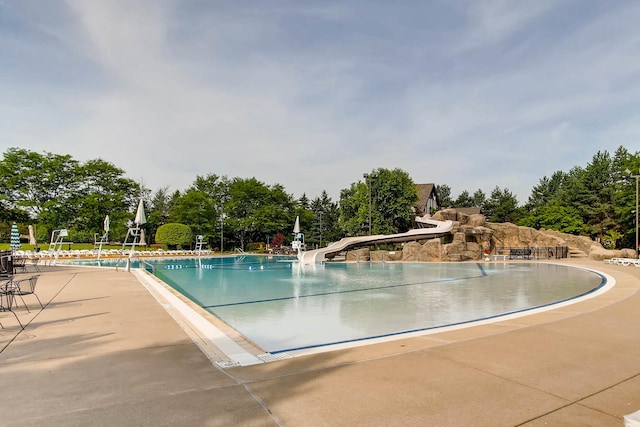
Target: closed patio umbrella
point(15, 237)
point(104, 238)
point(32, 236)
point(141, 218)
point(296, 226)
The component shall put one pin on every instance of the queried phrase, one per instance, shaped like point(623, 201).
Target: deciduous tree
point(59, 192)
point(391, 196)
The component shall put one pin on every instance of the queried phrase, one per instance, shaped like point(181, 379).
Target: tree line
point(55, 191)
point(597, 200)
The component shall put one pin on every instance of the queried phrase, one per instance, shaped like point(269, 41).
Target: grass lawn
point(66, 246)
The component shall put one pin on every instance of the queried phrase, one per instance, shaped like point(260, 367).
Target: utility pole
point(320, 213)
point(366, 176)
point(636, 223)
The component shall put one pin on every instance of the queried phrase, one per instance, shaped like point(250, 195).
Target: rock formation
point(472, 236)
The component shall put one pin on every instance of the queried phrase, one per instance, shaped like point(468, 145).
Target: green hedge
point(174, 235)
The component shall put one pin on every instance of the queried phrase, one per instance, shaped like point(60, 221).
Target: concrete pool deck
point(104, 351)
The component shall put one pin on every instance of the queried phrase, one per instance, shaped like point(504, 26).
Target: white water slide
point(431, 229)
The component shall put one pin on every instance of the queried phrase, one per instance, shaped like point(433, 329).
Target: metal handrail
point(151, 267)
point(537, 252)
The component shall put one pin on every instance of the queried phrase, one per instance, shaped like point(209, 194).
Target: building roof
point(425, 192)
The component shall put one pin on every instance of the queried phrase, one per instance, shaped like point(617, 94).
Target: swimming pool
point(282, 307)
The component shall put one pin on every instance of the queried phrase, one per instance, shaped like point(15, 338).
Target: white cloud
point(473, 95)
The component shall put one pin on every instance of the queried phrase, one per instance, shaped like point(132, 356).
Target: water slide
point(430, 229)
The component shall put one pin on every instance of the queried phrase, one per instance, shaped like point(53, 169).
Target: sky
point(473, 94)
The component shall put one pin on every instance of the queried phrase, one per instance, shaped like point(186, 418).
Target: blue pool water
point(281, 306)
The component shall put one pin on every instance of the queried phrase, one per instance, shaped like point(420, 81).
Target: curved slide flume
point(437, 228)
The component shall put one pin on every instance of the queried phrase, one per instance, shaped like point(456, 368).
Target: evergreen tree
point(464, 200)
point(479, 199)
point(502, 206)
point(325, 221)
point(547, 190)
point(444, 196)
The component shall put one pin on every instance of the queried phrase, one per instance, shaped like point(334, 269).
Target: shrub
point(256, 247)
point(277, 241)
point(174, 235)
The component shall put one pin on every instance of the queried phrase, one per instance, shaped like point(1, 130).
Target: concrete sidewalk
point(103, 351)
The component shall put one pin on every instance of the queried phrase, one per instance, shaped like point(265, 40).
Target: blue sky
point(312, 94)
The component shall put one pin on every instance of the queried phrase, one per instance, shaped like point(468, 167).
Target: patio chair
point(6, 301)
point(34, 263)
point(19, 265)
point(6, 265)
point(25, 287)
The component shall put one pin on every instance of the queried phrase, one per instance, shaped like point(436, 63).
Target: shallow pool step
point(268, 357)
